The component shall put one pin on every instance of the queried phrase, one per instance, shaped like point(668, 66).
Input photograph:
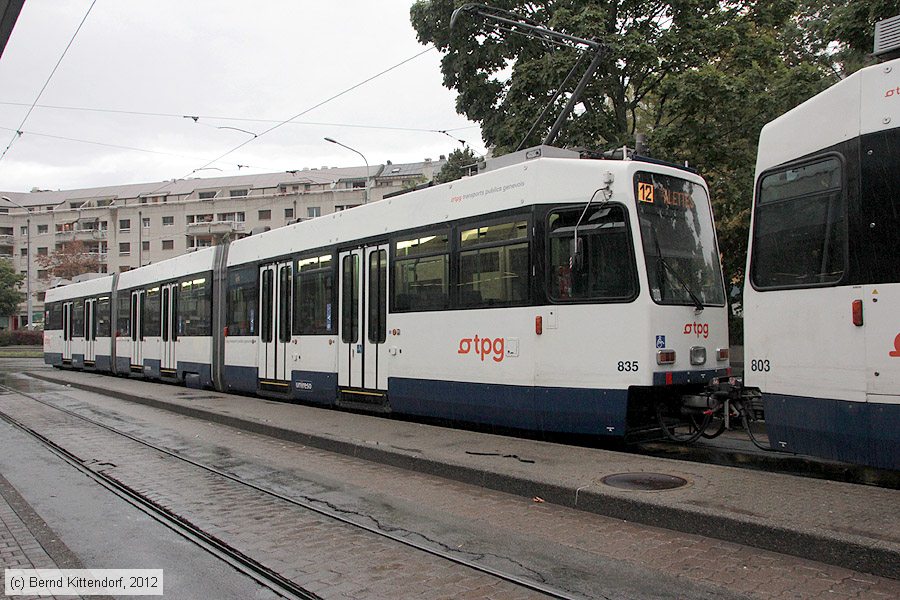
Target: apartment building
point(131, 225)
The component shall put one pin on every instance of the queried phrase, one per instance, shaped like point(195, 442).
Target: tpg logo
point(697, 328)
point(483, 346)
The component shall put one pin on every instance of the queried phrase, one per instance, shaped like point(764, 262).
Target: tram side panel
point(821, 296)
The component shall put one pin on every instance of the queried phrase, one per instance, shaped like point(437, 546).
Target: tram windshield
point(679, 241)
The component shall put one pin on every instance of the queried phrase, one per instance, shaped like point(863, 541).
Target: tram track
point(259, 572)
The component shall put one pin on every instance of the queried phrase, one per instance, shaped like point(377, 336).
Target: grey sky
point(262, 60)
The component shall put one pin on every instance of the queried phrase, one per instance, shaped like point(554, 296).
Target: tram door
point(137, 330)
point(67, 331)
point(276, 294)
point(90, 331)
point(168, 365)
point(363, 319)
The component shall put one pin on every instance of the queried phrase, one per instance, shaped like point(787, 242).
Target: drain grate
point(646, 482)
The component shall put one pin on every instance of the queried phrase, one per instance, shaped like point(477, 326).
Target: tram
point(822, 293)
point(551, 292)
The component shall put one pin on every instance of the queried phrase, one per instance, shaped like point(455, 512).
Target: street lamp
point(328, 139)
point(28, 302)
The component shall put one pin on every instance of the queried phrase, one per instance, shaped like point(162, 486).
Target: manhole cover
point(649, 482)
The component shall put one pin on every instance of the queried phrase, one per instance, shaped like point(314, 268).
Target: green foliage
point(699, 77)
point(458, 164)
point(21, 337)
point(10, 296)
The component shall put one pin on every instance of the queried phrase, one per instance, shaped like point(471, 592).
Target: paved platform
point(850, 525)
point(26, 541)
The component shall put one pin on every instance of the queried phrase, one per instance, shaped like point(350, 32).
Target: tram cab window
point(494, 264)
point(123, 313)
point(313, 295)
point(53, 316)
point(606, 271)
point(799, 231)
point(243, 301)
point(422, 273)
point(103, 316)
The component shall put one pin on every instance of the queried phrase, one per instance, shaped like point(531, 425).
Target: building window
point(42, 228)
point(124, 268)
point(124, 248)
point(168, 244)
point(289, 213)
point(145, 222)
point(43, 273)
point(206, 195)
point(23, 252)
point(265, 215)
point(167, 221)
point(145, 246)
point(235, 217)
point(41, 296)
point(238, 193)
point(42, 251)
point(124, 224)
point(313, 211)
point(4, 211)
point(23, 230)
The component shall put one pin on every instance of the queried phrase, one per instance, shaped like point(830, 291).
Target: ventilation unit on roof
point(887, 39)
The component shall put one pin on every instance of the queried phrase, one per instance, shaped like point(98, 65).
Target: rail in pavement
point(854, 526)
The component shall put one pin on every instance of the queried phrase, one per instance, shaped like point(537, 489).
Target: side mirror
point(576, 254)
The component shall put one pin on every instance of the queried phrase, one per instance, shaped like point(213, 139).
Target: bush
point(21, 337)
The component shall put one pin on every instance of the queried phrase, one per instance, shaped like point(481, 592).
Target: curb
point(822, 548)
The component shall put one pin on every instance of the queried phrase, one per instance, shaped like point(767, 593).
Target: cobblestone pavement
point(331, 559)
point(19, 548)
point(589, 554)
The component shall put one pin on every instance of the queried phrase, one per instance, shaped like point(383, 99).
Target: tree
point(70, 259)
point(459, 164)
point(10, 297)
point(699, 77)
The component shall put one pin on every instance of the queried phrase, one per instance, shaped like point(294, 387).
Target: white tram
point(551, 294)
point(822, 300)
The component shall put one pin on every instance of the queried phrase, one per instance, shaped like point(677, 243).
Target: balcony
point(215, 227)
point(6, 239)
point(81, 234)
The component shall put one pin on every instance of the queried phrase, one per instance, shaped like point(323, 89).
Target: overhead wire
point(19, 132)
point(198, 117)
point(322, 103)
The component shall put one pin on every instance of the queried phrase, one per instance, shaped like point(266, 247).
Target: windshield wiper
point(697, 303)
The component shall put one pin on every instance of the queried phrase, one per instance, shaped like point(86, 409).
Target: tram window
point(422, 273)
point(150, 318)
point(313, 280)
point(799, 231)
point(265, 307)
point(243, 300)
point(123, 313)
point(285, 282)
point(377, 296)
point(607, 271)
point(53, 317)
point(78, 318)
point(350, 299)
point(193, 306)
point(494, 265)
point(102, 317)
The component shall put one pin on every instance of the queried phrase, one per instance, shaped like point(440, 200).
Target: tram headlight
point(698, 355)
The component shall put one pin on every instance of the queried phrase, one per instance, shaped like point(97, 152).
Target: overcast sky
point(251, 60)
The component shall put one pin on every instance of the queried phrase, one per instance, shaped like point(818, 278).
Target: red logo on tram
point(483, 347)
point(896, 351)
point(697, 328)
